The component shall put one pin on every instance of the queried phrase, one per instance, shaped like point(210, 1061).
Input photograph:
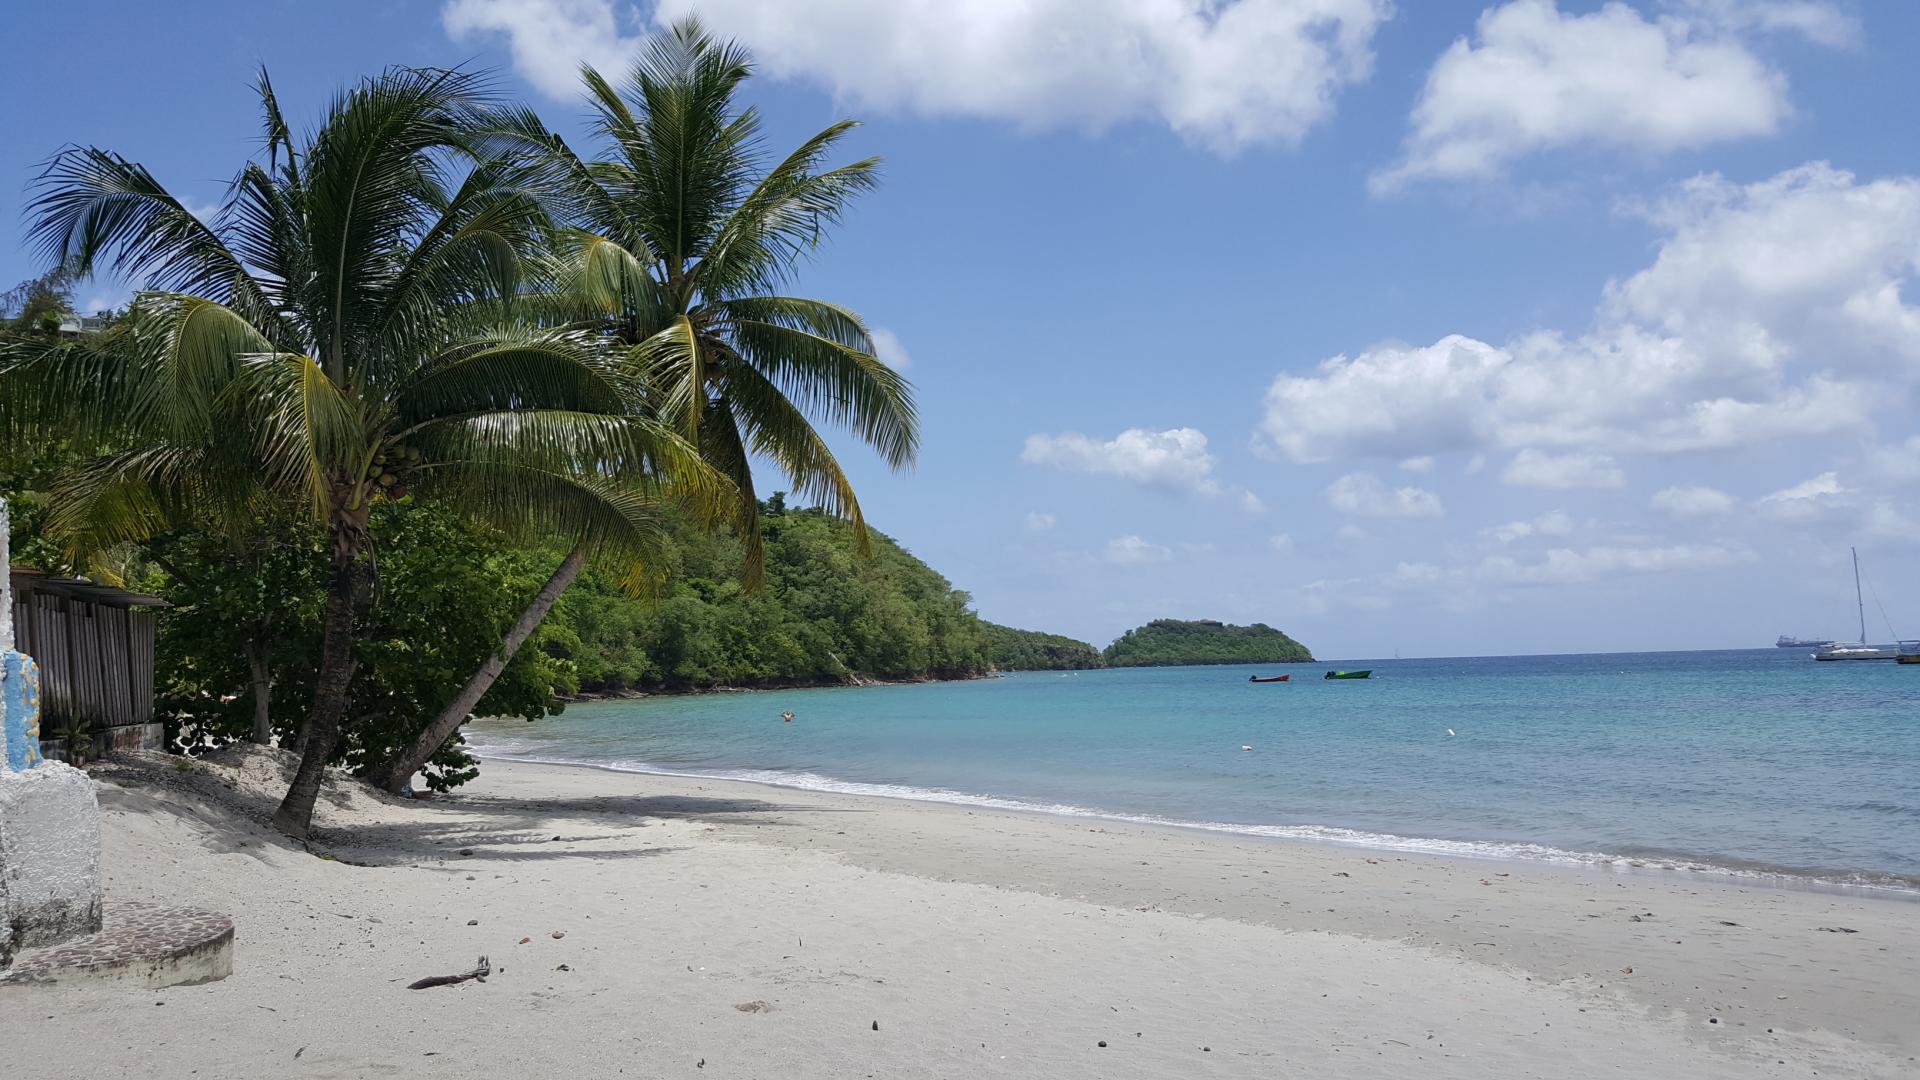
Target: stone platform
point(140, 946)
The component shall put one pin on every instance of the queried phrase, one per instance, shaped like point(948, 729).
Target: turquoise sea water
point(1745, 762)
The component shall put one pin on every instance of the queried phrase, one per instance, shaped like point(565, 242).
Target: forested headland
point(1032, 650)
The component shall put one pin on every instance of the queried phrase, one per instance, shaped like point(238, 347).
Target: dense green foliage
point(251, 602)
point(446, 590)
point(824, 615)
point(33, 309)
point(1164, 642)
point(1009, 649)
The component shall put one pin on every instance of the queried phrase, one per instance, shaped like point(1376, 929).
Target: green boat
point(1350, 674)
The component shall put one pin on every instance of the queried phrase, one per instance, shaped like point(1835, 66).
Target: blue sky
point(1443, 327)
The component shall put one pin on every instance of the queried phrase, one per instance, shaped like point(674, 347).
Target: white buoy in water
point(1449, 732)
point(1244, 748)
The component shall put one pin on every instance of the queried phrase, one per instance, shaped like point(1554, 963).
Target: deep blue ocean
point(1743, 762)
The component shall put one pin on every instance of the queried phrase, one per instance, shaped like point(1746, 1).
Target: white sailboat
point(1861, 650)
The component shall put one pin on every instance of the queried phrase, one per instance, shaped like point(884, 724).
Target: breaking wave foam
point(1502, 851)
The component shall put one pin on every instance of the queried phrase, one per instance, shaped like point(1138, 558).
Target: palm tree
point(680, 242)
point(684, 240)
point(342, 332)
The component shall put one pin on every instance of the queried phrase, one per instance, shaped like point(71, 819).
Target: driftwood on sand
point(481, 969)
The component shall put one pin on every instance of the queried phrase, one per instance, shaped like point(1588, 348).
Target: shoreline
point(1677, 867)
point(854, 683)
point(665, 926)
point(858, 681)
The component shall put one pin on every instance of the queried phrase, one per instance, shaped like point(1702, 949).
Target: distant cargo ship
point(1786, 642)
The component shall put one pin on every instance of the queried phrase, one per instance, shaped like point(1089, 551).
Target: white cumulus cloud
point(1570, 566)
point(1132, 551)
point(1694, 501)
point(1535, 78)
point(1772, 310)
point(1808, 498)
point(1551, 523)
point(1820, 21)
point(888, 350)
point(1040, 522)
point(1899, 462)
point(1221, 73)
point(1532, 468)
point(1414, 575)
point(1365, 495)
point(1174, 460)
point(1840, 513)
point(1809, 259)
point(550, 39)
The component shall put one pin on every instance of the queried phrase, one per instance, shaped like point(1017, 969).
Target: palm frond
point(373, 167)
point(278, 136)
point(611, 279)
point(262, 224)
point(690, 153)
point(312, 438)
point(93, 209)
point(511, 369)
point(474, 251)
point(158, 375)
point(784, 216)
point(619, 523)
point(720, 443)
point(772, 427)
point(813, 353)
point(126, 497)
point(629, 449)
point(671, 367)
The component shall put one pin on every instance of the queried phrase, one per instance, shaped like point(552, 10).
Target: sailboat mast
point(1857, 598)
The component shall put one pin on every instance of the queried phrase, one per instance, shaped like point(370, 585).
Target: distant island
point(1165, 642)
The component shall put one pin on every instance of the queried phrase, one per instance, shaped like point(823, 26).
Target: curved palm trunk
point(260, 678)
point(322, 730)
point(394, 775)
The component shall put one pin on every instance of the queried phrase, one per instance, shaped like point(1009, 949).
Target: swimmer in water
point(787, 716)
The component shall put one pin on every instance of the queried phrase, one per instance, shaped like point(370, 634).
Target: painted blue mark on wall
point(19, 710)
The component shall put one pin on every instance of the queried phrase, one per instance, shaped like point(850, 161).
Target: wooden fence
point(94, 646)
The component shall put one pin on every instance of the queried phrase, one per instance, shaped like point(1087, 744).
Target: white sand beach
point(662, 927)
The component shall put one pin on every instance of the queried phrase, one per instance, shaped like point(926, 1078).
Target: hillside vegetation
point(825, 615)
point(1009, 649)
point(1165, 642)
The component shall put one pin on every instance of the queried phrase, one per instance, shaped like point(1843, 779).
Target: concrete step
point(139, 946)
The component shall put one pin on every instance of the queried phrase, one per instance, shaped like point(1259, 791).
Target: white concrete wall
point(49, 856)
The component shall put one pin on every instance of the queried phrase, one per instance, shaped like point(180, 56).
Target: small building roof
point(26, 580)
